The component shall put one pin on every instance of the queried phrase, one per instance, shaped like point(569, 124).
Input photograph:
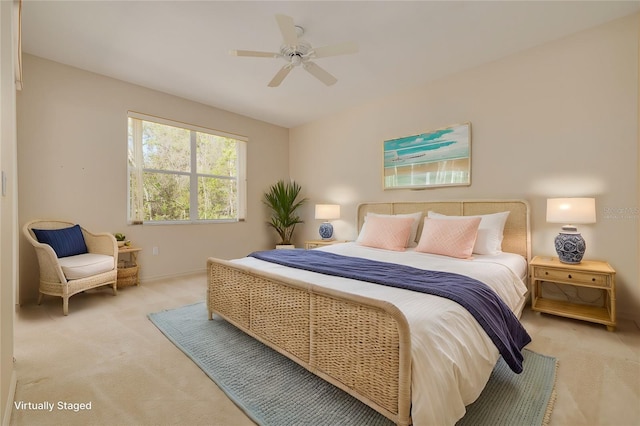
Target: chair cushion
point(65, 242)
point(85, 265)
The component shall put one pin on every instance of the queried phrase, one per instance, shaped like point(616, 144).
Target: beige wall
point(557, 120)
point(72, 133)
point(8, 209)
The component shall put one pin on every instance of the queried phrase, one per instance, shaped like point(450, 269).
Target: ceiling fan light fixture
point(298, 52)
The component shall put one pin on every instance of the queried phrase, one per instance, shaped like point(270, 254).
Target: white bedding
point(452, 356)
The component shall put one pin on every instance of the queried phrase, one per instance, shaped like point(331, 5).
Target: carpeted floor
point(274, 390)
point(107, 352)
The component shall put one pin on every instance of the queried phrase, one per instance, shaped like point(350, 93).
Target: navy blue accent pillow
point(65, 242)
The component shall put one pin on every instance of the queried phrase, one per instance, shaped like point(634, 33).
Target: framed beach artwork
point(437, 158)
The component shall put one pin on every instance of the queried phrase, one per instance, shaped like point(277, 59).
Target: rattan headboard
point(517, 236)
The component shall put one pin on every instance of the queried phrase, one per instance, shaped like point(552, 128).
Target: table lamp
point(327, 212)
point(570, 245)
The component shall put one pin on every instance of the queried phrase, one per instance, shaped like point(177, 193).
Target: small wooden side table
point(588, 273)
point(311, 244)
point(128, 270)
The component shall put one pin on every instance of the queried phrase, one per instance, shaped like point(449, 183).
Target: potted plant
point(120, 238)
point(282, 200)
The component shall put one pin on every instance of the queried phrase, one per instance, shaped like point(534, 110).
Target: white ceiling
point(182, 47)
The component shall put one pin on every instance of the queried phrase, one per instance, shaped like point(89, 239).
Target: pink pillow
point(453, 238)
point(385, 232)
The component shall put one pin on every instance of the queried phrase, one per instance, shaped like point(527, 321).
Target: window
point(183, 173)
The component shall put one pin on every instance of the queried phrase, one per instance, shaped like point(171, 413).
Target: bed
point(415, 358)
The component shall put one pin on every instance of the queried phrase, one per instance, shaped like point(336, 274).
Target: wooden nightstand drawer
point(585, 278)
point(311, 244)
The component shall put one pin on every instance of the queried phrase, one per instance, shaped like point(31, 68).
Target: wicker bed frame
point(360, 345)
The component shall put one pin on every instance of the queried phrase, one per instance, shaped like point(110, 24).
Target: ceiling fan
point(298, 52)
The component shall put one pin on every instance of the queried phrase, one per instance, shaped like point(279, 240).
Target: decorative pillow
point(65, 242)
point(411, 241)
point(389, 233)
point(490, 231)
point(453, 238)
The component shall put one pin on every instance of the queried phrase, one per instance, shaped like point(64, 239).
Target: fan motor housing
point(302, 50)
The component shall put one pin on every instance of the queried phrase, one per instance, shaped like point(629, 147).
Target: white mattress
point(452, 356)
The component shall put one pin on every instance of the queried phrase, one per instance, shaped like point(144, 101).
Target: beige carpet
point(108, 353)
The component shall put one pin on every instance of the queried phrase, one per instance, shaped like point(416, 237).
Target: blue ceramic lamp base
point(570, 245)
point(326, 231)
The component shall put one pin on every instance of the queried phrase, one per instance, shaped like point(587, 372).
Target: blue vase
point(326, 231)
point(570, 247)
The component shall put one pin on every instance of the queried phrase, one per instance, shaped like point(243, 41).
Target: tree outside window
point(184, 173)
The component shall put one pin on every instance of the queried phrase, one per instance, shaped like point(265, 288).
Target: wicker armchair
point(77, 273)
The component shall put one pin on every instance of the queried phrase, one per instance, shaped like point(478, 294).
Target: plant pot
point(285, 246)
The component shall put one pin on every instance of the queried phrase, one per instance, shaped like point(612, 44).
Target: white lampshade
point(571, 210)
point(327, 211)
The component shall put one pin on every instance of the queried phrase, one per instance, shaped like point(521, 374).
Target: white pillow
point(411, 241)
point(490, 231)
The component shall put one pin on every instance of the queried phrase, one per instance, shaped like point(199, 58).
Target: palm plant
point(282, 200)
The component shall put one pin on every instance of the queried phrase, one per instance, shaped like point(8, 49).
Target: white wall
point(72, 155)
point(557, 120)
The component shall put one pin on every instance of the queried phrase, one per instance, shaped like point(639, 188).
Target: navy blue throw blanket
point(479, 299)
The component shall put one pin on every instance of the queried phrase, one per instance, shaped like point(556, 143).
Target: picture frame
point(437, 158)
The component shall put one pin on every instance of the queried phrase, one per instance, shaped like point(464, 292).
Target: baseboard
point(8, 409)
point(151, 279)
point(631, 316)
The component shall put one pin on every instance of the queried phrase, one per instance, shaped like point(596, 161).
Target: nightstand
point(311, 244)
point(128, 270)
point(590, 274)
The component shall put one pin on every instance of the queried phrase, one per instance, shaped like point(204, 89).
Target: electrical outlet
point(155, 251)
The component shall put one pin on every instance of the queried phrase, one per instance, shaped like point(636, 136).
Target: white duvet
point(452, 356)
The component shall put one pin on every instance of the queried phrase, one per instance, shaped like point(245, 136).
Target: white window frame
point(241, 176)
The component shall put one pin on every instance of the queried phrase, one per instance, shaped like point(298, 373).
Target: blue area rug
point(273, 390)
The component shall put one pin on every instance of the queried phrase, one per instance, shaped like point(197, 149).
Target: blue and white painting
point(438, 158)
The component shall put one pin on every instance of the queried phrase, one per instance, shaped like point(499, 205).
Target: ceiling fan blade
point(254, 53)
point(335, 50)
point(280, 75)
point(288, 29)
point(319, 73)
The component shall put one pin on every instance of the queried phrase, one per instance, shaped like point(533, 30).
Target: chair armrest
point(101, 243)
point(50, 269)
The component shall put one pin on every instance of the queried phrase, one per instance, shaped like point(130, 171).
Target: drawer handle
point(546, 273)
point(593, 279)
point(569, 276)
